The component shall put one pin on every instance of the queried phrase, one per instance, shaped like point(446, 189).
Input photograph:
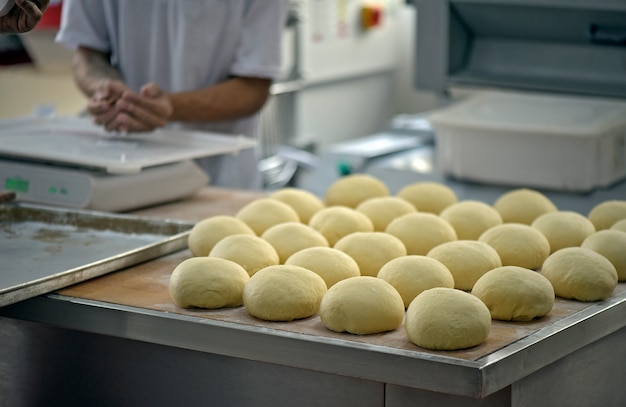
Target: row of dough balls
point(244, 240)
point(439, 317)
point(523, 226)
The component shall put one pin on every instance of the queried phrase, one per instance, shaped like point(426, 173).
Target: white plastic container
point(533, 140)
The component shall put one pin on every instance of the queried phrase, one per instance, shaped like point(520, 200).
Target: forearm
point(90, 68)
point(235, 98)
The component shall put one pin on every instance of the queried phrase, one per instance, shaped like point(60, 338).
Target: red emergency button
point(371, 16)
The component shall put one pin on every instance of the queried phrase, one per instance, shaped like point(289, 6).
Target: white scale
point(68, 161)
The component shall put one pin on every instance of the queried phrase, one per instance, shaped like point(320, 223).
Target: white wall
point(355, 85)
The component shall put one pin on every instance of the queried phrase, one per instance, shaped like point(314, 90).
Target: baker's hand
point(102, 104)
point(23, 17)
point(146, 111)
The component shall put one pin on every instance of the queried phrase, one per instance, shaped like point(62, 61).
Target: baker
point(20, 16)
point(203, 65)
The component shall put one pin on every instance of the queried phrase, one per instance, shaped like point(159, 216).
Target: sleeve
point(259, 53)
point(83, 23)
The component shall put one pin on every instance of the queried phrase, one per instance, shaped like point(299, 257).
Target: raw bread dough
point(447, 319)
point(605, 214)
point(335, 222)
point(523, 206)
point(371, 250)
point(303, 202)
point(431, 197)
point(619, 225)
point(467, 260)
point(471, 218)
point(564, 228)
point(420, 232)
point(518, 244)
point(353, 189)
point(331, 264)
point(249, 251)
point(411, 275)
point(515, 293)
point(207, 232)
point(362, 305)
point(291, 237)
point(207, 282)
point(283, 293)
point(581, 274)
point(263, 213)
point(612, 245)
point(382, 210)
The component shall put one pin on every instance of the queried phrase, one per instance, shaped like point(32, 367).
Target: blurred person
point(190, 64)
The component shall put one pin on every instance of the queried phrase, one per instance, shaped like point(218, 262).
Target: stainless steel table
point(118, 340)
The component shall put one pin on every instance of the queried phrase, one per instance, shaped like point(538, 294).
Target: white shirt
point(183, 45)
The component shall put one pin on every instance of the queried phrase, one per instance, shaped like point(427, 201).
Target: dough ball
point(518, 244)
point(467, 260)
point(207, 282)
point(291, 237)
point(263, 213)
point(249, 251)
point(420, 232)
point(612, 245)
point(362, 305)
point(283, 293)
point(383, 209)
point(431, 197)
point(410, 275)
point(581, 274)
point(619, 225)
point(515, 293)
point(207, 232)
point(353, 189)
point(471, 218)
point(564, 228)
point(523, 206)
point(447, 319)
point(331, 264)
point(605, 214)
point(303, 202)
point(335, 222)
point(371, 250)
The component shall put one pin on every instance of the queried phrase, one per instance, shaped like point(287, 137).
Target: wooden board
point(207, 202)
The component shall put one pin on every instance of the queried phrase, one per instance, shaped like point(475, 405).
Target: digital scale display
point(16, 185)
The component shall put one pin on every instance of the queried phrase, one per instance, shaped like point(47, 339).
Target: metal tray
point(43, 248)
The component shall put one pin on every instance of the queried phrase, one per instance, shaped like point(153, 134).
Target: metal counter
point(118, 340)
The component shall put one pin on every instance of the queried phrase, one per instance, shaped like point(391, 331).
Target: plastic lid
point(78, 142)
point(535, 112)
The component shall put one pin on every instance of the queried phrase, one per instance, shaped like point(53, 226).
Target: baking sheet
point(146, 287)
point(46, 248)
